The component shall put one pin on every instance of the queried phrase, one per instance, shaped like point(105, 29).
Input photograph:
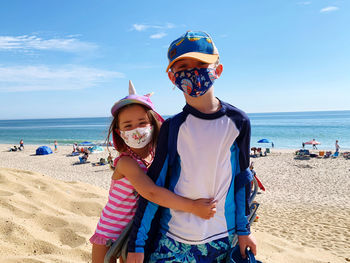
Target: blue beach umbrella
point(86, 144)
point(264, 141)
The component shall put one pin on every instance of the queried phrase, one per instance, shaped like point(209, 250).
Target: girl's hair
point(118, 142)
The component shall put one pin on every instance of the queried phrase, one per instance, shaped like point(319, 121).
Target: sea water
point(285, 130)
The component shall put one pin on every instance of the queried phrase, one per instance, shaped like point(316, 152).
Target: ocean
point(287, 130)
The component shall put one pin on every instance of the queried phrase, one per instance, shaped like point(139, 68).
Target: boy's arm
point(243, 179)
point(144, 185)
point(242, 191)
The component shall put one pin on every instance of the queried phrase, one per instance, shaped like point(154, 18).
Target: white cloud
point(158, 35)
point(143, 27)
point(68, 77)
point(304, 3)
point(140, 27)
point(329, 9)
point(31, 42)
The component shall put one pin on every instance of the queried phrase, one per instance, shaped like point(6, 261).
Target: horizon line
point(86, 117)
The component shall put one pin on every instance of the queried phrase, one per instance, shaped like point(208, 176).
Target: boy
point(202, 152)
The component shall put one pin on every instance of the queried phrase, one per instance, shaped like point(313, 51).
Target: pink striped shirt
point(119, 210)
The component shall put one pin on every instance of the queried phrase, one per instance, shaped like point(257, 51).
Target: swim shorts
point(169, 250)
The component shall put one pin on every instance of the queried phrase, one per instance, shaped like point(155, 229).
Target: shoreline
point(9, 145)
point(304, 213)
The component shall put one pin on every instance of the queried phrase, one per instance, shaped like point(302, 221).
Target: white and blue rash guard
point(199, 156)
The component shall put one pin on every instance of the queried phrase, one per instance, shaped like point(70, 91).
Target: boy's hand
point(134, 257)
point(247, 242)
point(204, 208)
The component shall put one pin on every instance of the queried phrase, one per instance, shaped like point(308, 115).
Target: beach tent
point(43, 150)
point(264, 141)
point(96, 149)
point(86, 144)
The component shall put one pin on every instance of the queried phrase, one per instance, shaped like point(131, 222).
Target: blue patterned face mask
point(195, 82)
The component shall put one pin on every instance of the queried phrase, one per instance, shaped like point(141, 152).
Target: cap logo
point(181, 40)
point(172, 53)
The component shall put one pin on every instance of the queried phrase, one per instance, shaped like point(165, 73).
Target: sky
point(62, 59)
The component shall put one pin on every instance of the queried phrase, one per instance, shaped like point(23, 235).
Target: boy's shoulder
point(234, 112)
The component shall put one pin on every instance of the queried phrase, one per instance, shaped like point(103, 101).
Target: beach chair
point(119, 247)
point(328, 154)
point(321, 153)
point(335, 155)
point(346, 155)
point(302, 154)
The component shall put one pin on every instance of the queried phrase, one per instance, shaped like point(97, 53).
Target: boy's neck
point(206, 103)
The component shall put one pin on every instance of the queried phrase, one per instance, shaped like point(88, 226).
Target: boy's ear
point(219, 70)
point(171, 77)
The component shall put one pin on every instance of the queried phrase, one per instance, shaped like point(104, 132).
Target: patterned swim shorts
point(169, 250)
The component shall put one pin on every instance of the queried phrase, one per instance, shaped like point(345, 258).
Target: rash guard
point(199, 156)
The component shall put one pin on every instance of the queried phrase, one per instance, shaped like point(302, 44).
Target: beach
point(50, 207)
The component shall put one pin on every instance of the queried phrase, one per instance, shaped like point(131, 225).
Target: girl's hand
point(204, 208)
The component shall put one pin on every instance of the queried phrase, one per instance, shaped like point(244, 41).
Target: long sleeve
point(243, 179)
point(147, 210)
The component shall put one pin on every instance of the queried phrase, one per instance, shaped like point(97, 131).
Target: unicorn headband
point(135, 98)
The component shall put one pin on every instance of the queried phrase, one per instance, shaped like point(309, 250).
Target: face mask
point(137, 138)
point(195, 82)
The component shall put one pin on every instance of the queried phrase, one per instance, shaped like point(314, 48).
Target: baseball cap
point(193, 44)
point(135, 98)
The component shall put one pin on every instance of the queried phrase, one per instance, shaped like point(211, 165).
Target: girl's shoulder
point(117, 159)
point(125, 159)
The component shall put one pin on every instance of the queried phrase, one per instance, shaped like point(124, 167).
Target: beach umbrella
point(313, 142)
point(43, 150)
point(264, 141)
point(86, 144)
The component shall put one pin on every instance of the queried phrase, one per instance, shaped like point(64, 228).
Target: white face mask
point(137, 138)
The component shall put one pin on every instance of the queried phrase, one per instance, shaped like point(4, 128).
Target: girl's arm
point(126, 166)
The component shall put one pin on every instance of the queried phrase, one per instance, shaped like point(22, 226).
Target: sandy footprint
point(50, 223)
point(70, 238)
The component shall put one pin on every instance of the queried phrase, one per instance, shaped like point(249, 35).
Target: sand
point(50, 207)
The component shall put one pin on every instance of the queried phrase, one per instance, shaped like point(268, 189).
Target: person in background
point(55, 143)
point(75, 147)
point(21, 144)
point(110, 158)
point(337, 147)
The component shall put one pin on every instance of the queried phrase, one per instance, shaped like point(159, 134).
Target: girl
point(134, 128)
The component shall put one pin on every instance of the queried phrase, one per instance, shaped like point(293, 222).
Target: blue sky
point(74, 58)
